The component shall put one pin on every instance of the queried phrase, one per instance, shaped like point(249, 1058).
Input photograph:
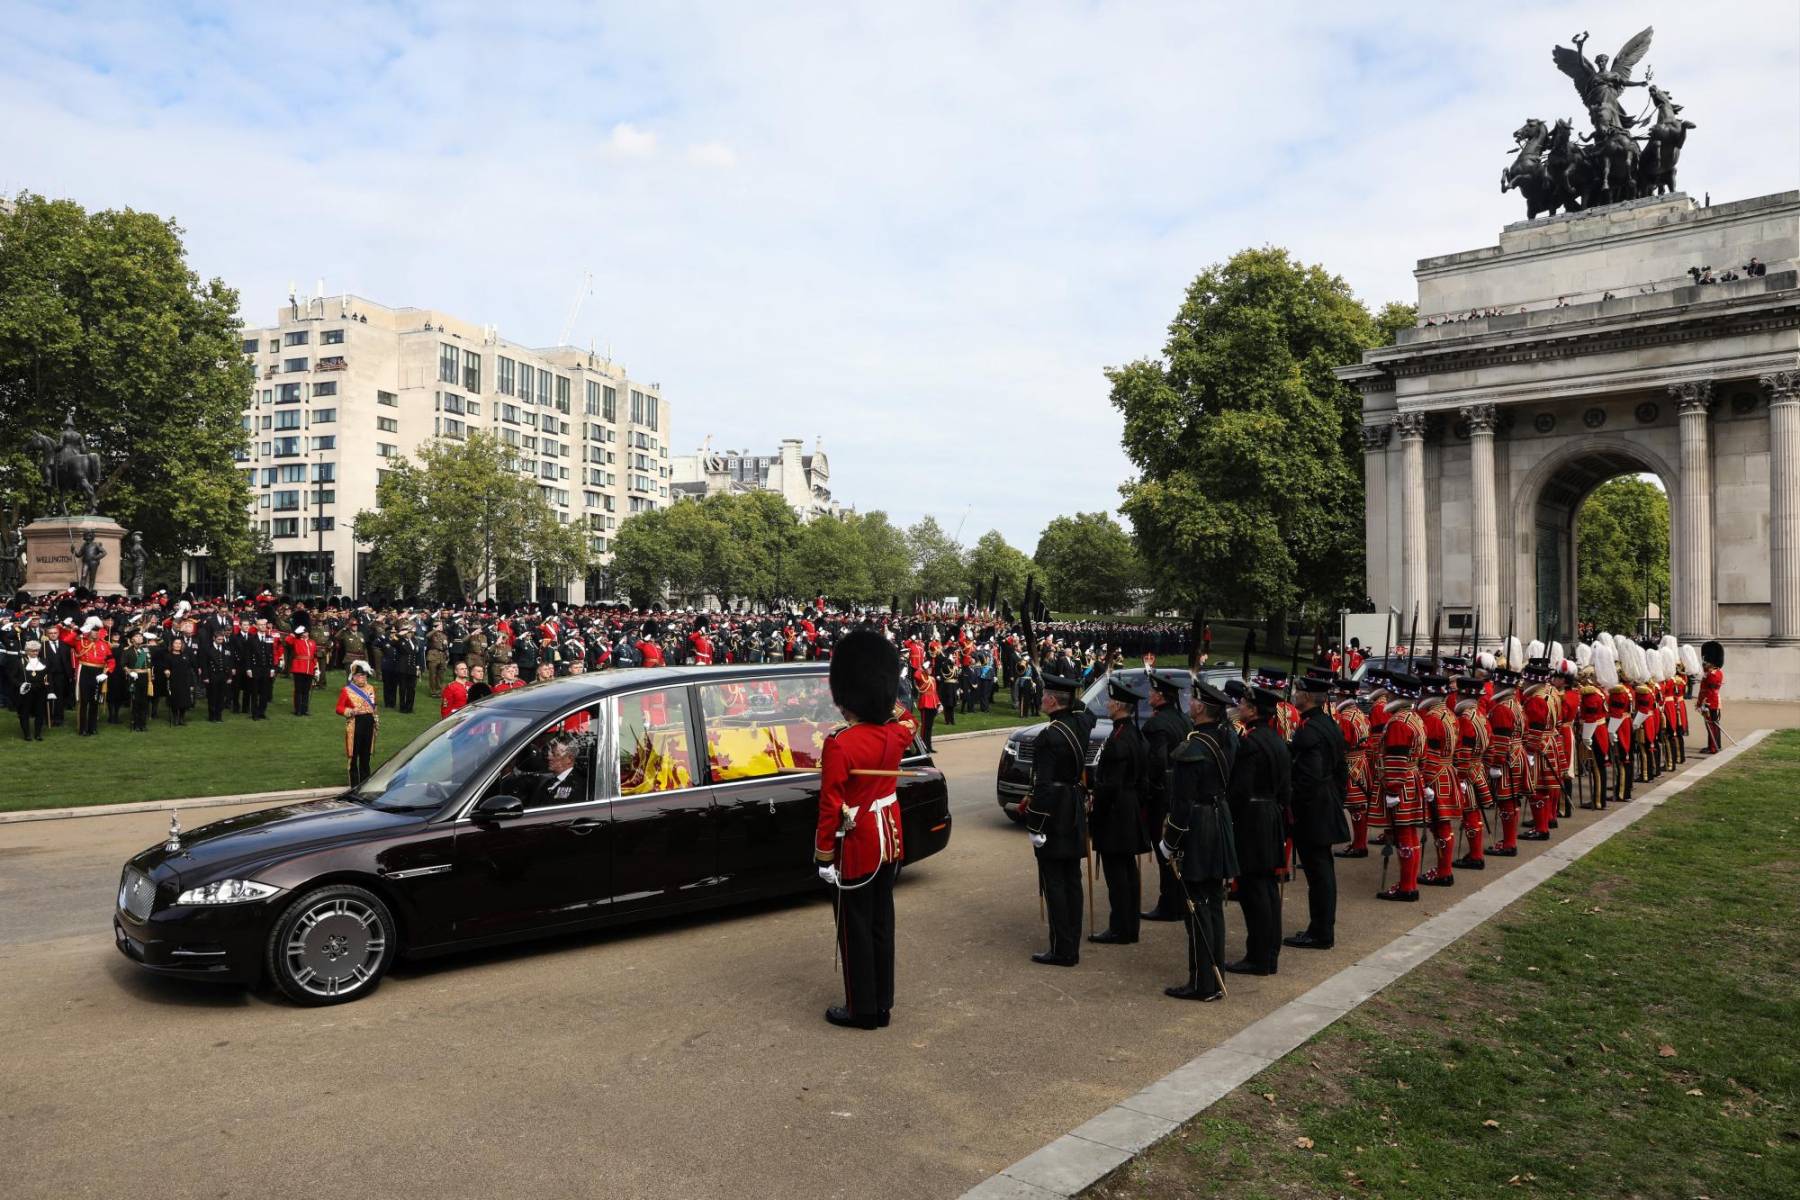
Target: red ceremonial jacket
point(1711, 684)
point(303, 656)
point(649, 654)
point(863, 805)
point(456, 695)
point(703, 649)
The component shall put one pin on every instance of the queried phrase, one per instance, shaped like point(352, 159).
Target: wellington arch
point(1598, 356)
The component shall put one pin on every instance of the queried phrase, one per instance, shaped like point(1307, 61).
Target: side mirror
point(499, 807)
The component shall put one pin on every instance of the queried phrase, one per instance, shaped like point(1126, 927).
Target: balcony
point(332, 362)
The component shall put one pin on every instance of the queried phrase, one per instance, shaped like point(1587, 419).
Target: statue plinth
point(52, 554)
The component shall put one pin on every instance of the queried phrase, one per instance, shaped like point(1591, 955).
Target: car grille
point(137, 895)
point(1026, 750)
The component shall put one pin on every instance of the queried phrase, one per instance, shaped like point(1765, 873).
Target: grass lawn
point(239, 755)
point(1624, 1031)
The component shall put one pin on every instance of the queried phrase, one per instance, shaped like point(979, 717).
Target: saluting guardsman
point(356, 704)
point(304, 666)
point(1320, 781)
point(1197, 838)
point(1261, 795)
point(857, 843)
point(1163, 732)
point(1117, 816)
point(1056, 816)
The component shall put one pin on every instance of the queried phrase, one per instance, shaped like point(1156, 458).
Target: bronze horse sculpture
point(67, 467)
point(1529, 173)
point(1662, 145)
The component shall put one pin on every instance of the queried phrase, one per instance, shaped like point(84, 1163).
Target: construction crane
point(581, 294)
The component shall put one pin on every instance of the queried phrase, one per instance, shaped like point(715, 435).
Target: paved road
point(683, 1059)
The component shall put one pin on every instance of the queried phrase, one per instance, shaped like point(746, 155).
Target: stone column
point(1375, 569)
point(1694, 572)
point(1783, 388)
point(1411, 428)
point(1484, 546)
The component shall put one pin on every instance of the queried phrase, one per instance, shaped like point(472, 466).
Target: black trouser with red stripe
point(866, 942)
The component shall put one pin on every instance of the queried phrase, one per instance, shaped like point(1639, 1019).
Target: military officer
point(1117, 817)
point(437, 656)
point(1712, 683)
point(1166, 729)
point(1056, 816)
point(1197, 838)
point(1261, 798)
point(1321, 781)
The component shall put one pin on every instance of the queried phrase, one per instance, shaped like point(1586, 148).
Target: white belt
point(881, 829)
point(1613, 723)
point(1587, 730)
point(1638, 720)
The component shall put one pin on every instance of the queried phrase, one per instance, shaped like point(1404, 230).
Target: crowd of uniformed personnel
point(1270, 774)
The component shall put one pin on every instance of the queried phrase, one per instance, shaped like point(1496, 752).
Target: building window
point(291, 473)
point(386, 450)
point(609, 407)
point(268, 475)
point(324, 416)
point(387, 398)
point(591, 406)
point(298, 337)
point(288, 393)
point(471, 371)
point(287, 418)
point(268, 422)
point(531, 444)
point(287, 501)
point(324, 389)
point(324, 524)
point(449, 363)
point(331, 337)
point(525, 376)
point(333, 362)
point(504, 384)
point(286, 447)
point(290, 365)
point(324, 472)
point(285, 527)
point(387, 424)
point(474, 408)
point(251, 345)
point(543, 388)
point(274, 345)
point(452, 403)
point(562, 394)
point(510, 437)
point(328, 442)
point(323, 496)
point(454, 428)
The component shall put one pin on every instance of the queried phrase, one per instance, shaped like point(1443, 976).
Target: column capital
point(1480, 417)
point(1693, 395)
point(1410, 425)
point(1375, 437)
point(1782, 387)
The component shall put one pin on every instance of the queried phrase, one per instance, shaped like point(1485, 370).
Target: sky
point(918, 233)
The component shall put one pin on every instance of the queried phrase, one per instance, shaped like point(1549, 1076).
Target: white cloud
point(631, 142)
point(941, 224)
point(712, 154)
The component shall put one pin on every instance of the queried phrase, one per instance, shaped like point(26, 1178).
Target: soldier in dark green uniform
point(1056, 815)
point(1117, 820)
point(1198, 839)
point(1260, 799)
point(1321, 782)
point(437, 654)
point(1166, 729)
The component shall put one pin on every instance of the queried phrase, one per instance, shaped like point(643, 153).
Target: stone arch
point(1546, 502)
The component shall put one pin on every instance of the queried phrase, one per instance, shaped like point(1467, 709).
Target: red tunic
point(504, 686)
point(1437, 765)
point(1354, 724)
point(456, 695)
point(703, 649)
point(872, 834)
point(1403, 750)
point(1472, 738)
point(303, 656)
point(649, 654)
point(1711, 684)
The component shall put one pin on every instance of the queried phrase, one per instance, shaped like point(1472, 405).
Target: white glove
point(1392, 800)
point(133, 675)
point(52, 696)
point(1163, 849)
point(1430, 795)
point(1039, 841)
point(1531, 760)
point(829, 875)
point(100, 678)
point(1493, 772)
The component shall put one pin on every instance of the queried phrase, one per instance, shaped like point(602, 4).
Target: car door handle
point(586, 825)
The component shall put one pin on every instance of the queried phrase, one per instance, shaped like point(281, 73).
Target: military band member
point(1712, 683)
point(1320, 781)
point(857, 843)
point(1261, 798)
point(1197, 838)
point(1116, 818)
point(1056, 816)
point(1166, 729)
point(356, 704)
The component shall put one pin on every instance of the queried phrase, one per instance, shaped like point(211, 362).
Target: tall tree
point(1622, 553)
point(993, 559)
point(936, 559)
point(886, 556)
point(1249, 492)
point(100, 314)
point(828, 561)
point(1089, 563)
point(463, 508)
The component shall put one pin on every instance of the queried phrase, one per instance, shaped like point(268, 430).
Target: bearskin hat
point(1712, 654)
point(865, 676)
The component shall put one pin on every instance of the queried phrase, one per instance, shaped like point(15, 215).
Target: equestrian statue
point(67, 466)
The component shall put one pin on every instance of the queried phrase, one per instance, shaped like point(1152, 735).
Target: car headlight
point(227, 891)
point(1009, 748)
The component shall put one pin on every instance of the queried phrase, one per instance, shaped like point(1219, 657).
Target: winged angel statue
point(1600, 83)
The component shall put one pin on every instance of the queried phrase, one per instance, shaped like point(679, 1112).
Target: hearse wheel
point(331, 945)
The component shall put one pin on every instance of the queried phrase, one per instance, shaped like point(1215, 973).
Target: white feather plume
point(1631, 661)
point(1668, 642)
point(1486, 661)
point(1556, 652)
point(1584, 654)
point(1515, 653)
point(1606, 665)
point(1607, 638)
point(1690, 659)
point(1535, 649)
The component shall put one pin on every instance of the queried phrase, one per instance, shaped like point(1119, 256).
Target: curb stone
point(1092, 1151)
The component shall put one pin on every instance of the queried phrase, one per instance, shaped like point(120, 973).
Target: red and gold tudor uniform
point(1472, 737)
point(1403, 784)
point(1353, 723)
point(1509, 772)
point(1437, 772)
point(1542, 705)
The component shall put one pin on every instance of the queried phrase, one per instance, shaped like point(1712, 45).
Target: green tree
point(1249, 493)
point(462, 516)
point(993, 558)
point(100, 314)
point(937, 560)
point(886, 556)
point(1089, 564)
point(1621, 530)
point(829, 561)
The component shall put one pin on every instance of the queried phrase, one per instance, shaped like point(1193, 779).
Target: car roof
point(567, 691)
